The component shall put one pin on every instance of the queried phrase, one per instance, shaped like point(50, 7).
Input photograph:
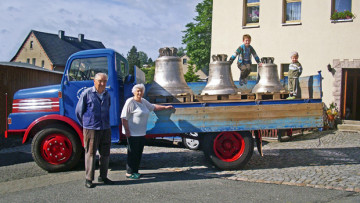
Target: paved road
point(310, 168)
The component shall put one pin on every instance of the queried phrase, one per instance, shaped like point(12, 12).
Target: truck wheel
point(192, 144)
point(228, 150)
point(56, 148)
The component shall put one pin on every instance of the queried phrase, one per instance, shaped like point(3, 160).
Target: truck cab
point(47, 114)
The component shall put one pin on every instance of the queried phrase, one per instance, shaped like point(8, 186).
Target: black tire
point(66, 141)
point(241, 157)
point(192, 144)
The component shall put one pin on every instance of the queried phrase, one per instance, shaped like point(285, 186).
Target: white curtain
point(293, 11)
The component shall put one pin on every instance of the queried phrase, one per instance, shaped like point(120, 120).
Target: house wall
point(318, 40)
point(35, 52)
point(200, 73)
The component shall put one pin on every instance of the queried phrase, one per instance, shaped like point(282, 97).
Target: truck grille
point(36, 105)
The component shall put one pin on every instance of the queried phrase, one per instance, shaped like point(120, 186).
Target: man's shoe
point(291, 97)
point(106, 181)
point(89, 184)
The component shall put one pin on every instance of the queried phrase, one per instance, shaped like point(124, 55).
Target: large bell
point(220, 80)
point(169, 76)
point(269, 79)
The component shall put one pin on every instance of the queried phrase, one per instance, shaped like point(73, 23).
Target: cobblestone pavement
point(329, 160)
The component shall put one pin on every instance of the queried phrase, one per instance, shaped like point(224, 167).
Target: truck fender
point(65, 119)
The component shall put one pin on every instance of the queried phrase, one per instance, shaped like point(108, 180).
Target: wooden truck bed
point(220, 115)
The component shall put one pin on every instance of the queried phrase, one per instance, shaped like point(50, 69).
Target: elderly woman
point(134, 118)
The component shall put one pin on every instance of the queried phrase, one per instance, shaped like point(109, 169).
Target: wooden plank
point(211, 119)
point(345, 95)
point(354, 98)
point(271, 95)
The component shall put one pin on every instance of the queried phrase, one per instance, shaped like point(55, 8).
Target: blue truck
point(46, 115)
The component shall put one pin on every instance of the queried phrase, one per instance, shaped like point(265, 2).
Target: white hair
point(138, 86)
point(294, 53)
point(101, 74)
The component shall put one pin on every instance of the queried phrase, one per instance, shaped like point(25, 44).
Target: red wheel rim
point(229, 146)
point(56, 149)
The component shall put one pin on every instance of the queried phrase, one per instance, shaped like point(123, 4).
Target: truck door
point(80, 75)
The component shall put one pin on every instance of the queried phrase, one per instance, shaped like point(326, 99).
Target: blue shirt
point(93, 112)
point(244, 54)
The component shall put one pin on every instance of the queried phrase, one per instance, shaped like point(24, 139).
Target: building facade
point(51, 51)
point(278, 27)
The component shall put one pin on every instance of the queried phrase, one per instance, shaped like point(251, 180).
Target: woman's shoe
point(134, 176)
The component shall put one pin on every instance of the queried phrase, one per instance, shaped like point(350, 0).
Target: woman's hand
point(169, 107)
point(162, 107)
point(127, 133)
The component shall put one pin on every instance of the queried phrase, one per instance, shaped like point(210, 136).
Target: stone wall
point(338, 66)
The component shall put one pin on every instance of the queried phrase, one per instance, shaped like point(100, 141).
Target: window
point(284, 69)
point(341, 10)
point(42, 63)
point(341, 5)
point(31, 44)
point(120, 67)
point(28, 61)
point(292, 11)
point(184, 61)
point(86, 69)
point(253, 73)
point(34, 61)
point(252, 11)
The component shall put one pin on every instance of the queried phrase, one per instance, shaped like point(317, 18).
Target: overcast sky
point(118, 24)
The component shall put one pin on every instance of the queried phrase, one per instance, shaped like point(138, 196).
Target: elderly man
point(92, 111)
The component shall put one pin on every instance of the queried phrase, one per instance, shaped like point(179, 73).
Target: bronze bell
point(169, 75)
point(268, 77)
point(220, 80)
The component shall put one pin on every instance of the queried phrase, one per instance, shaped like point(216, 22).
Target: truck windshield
point(86, 68)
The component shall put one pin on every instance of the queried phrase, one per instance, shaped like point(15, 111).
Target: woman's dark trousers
point(134, 153)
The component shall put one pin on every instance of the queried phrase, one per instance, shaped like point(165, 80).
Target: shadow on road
point(284, 158)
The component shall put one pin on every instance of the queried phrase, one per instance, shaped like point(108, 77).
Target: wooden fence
point(16, 76)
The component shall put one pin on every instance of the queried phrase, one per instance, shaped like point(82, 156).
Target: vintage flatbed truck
point(224, 125)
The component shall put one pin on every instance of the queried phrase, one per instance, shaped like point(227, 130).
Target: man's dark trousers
point(96, 140)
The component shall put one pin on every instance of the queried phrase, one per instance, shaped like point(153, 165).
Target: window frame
point(253, 75)
point(245, 14)
point(285, 3)
point(284, 73)
point(333, 8)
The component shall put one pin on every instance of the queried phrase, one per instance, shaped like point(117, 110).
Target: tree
point(143, 58)
point(149, 74)
point(133, 59)
point(190, 75)
point(151, 62)
point(181, 52)
point(198, 36)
